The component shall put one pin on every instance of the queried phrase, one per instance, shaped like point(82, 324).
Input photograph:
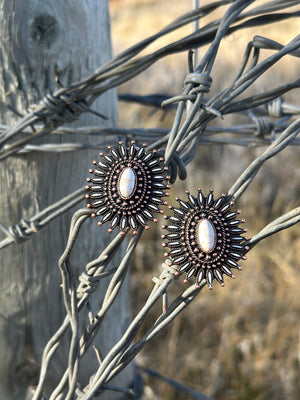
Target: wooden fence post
point(39, 41)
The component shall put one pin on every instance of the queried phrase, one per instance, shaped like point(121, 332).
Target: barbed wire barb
point(271, 122)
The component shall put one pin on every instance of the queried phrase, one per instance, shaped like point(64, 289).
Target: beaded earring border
point(127, 187)
point(204, 238)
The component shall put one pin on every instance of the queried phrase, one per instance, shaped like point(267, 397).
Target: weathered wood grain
point(39, 40)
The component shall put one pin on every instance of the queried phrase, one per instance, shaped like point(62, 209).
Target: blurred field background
point(240, 342)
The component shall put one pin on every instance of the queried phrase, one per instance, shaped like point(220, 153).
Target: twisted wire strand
point(93, 268)
point(179, 132)
point(84, 292)
point(283, 140)
point(224, 101)
point(178, 386)
point(283, 222)
point(151, 135)
point(111, 293)
point(67, 105)
point(70, 299)
point(115, 363)
point(124, 351)
point(23, 231)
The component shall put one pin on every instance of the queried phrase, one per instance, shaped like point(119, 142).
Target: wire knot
point(89, 283)
point(176, 166)
point(59, 108)
point(275, 107)
point(169, 272)
point(263, 127)
point(18, 232)
point(201, 82)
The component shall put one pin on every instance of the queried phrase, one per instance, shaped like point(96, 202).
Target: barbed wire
point(67, 104)
point(261, 132)
point(176, 385)
point(194, 127)
point(183, 135)
point(278, 145)
point(22, 231)
point(126, 349)
point(179, 145)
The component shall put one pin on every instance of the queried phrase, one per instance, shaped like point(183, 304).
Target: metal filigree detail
point(127, 187)
point(204, 238)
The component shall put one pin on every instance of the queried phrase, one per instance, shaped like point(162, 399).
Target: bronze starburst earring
point(204, 238)
point(127, 187)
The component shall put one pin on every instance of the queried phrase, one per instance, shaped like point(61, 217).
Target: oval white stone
point(127, 182)
point(206, 235)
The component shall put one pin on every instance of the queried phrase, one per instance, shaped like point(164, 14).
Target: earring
point(127, 187)
point(204, 238)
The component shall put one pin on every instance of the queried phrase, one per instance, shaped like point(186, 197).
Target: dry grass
point(239, 342)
